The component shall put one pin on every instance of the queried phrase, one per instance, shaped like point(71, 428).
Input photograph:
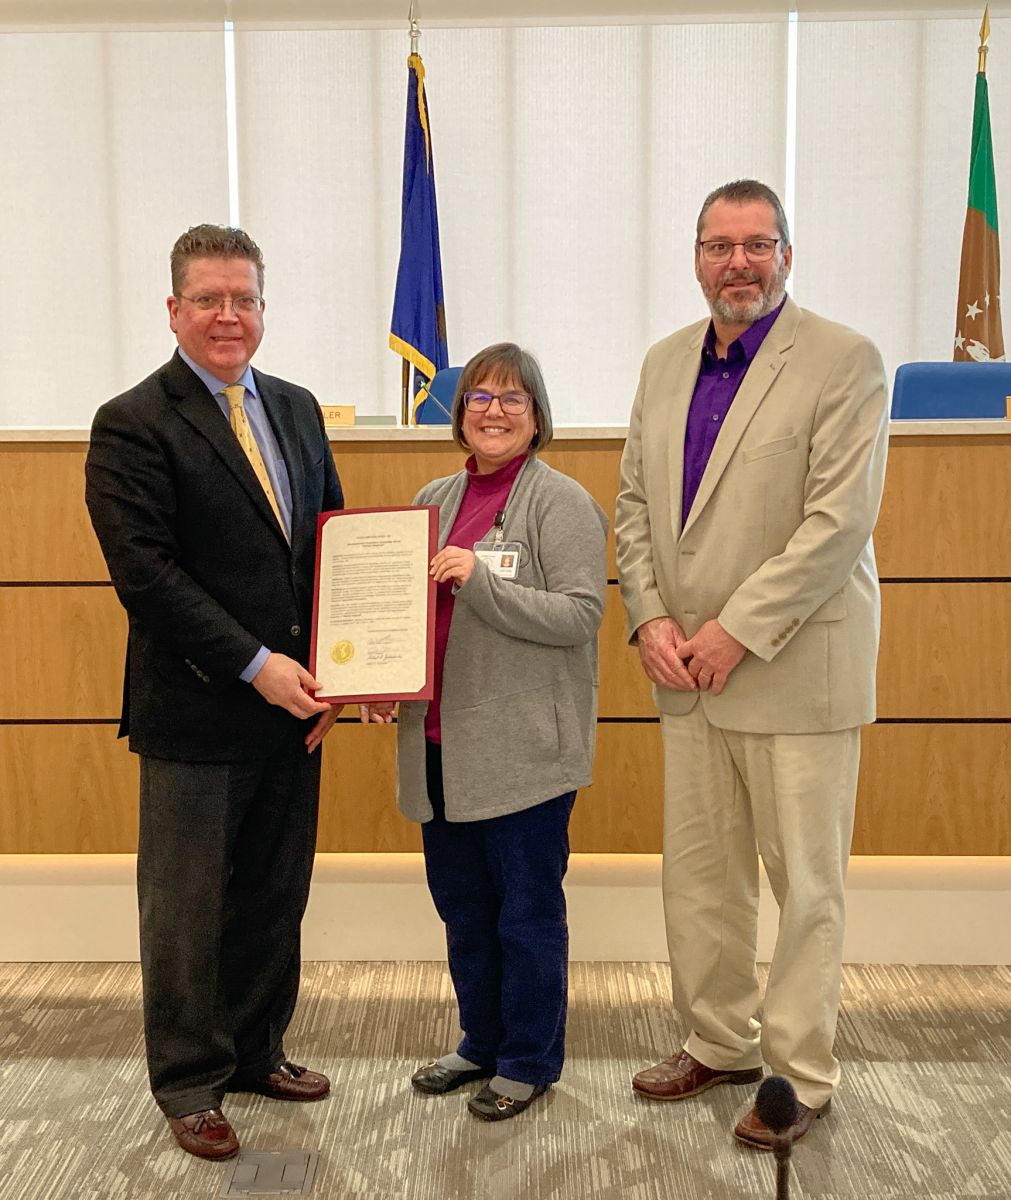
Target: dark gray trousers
point(223, 869)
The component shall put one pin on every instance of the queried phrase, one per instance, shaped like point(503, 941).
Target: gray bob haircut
point(506, 361)
point(743, 191)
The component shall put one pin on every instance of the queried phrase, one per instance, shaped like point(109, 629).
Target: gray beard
point(746, 313)
point(749, 311)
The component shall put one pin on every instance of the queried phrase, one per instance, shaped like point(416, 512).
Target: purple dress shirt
point(717, 385)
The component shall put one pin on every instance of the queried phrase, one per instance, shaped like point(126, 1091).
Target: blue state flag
point(418, 326)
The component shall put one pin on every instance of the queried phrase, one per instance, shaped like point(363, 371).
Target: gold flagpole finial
point(984, 37)
point(415, 28)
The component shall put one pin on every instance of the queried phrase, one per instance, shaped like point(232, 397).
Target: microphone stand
point(781, 1148)
point(776, 1106)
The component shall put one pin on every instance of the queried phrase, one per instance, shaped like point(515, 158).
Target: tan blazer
point(777, 544)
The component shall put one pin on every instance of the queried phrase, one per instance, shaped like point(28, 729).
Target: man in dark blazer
point(203, 484)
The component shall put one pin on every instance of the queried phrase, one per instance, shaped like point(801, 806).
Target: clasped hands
point(701, 663)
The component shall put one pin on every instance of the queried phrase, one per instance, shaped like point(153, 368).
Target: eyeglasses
point(241, 305)
point(716, 250)
point(512, 403)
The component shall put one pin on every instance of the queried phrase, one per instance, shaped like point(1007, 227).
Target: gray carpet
point(924, 1111)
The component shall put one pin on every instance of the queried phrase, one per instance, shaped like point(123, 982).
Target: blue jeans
point(497, 885)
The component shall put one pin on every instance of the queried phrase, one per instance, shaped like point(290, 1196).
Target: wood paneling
point(622, 813)
point(934, 789)
point(624, 689)
point(73, 789)
point(358, 799)
point(595, 465)
point(376, 473)
point(67, 789)
point(64, 649)
point(925, 788)
point(45, 532)
point(946, 510)
point(945, 650)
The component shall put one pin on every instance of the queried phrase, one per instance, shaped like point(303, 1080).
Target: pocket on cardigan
point(523, 726)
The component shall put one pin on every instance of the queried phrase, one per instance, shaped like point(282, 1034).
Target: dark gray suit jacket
point(200, 563)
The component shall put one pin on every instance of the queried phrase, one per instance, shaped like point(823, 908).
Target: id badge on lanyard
point(501, 557)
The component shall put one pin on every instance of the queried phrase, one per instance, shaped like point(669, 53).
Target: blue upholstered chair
point(933, 391)
point(437, 407)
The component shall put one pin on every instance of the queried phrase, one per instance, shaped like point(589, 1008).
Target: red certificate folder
point(376, 622)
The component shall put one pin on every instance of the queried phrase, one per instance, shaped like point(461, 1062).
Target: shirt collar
point(746, 346)
point(214, 385)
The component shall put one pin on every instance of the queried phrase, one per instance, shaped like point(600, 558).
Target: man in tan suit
point(750, 484)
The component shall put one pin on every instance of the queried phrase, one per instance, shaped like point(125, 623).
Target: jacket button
point(775, 641)
point(296, 630)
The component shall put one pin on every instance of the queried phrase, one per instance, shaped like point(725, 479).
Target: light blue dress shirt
point(273, 460)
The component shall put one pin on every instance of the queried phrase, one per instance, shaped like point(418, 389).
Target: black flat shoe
point(435, 1079)
point(490, 1106)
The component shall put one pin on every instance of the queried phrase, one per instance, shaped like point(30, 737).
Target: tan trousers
point(792, 796)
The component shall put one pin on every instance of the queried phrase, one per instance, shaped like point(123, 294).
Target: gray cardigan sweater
point(519, 696)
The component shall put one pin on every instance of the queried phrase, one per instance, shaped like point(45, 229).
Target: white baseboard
point(66, 908)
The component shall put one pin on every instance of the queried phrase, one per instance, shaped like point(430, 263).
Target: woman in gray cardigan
point(490, 767)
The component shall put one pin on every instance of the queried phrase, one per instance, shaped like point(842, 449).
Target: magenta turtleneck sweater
point(485, 496)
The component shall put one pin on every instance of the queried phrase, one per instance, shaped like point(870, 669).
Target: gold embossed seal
point(343, 652)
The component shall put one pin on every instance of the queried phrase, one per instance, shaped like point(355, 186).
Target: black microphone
point(776, 1105)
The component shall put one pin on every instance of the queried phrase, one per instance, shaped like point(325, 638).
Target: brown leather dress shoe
point(206, 1134)
point(289, 1082)
point(753, 1131)
point(683, 1076)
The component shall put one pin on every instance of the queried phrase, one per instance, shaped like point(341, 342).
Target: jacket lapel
point(761, 375)
point(676, 386)
point(198, 407)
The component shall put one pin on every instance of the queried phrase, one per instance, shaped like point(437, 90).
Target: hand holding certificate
point(374, 609)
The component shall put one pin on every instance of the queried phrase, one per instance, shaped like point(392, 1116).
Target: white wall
point(570, 160)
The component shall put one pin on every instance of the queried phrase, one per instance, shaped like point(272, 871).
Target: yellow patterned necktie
point(235, 395)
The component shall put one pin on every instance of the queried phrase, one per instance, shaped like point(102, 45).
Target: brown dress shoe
point(289, 1082)
point(206, 1134)
point(683, 1076)
point(753, 1131)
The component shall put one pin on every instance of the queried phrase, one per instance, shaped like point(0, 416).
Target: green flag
point(978, 333)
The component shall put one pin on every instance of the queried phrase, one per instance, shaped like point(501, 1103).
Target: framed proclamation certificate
point(373, 624)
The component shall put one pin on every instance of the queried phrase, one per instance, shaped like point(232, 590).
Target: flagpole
point(418, 322)
point(979, 335)
point(984, 37)
point(416, 28)
point(405, 373)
